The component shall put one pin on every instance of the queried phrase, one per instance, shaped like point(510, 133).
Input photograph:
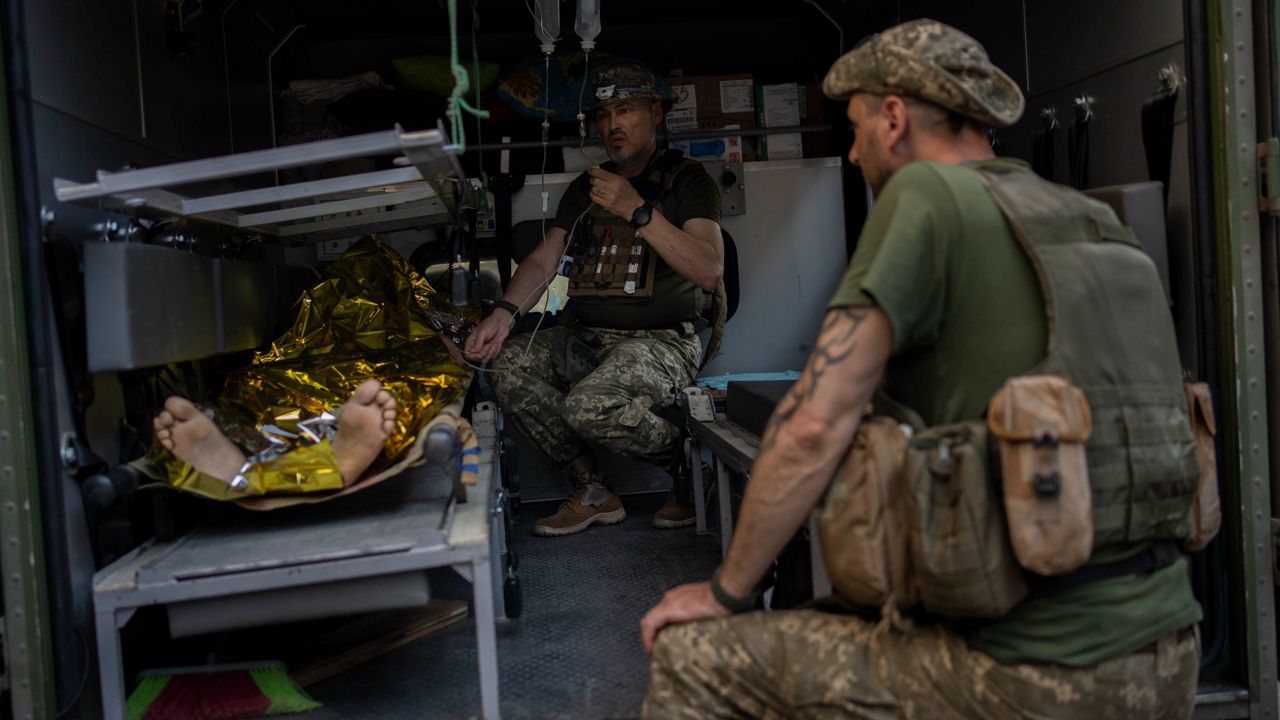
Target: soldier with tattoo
point(639, 238)
point(941, 306)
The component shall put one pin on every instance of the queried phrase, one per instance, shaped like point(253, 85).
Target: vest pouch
point(862, 525)
point(960, 553)
point(1206, 511)
point(1040, 424)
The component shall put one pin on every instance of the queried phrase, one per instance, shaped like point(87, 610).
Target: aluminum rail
point(432, 169)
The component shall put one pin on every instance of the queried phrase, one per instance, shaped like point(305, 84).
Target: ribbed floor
point(574, 653)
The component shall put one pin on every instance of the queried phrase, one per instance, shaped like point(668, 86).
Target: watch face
point(641, 216)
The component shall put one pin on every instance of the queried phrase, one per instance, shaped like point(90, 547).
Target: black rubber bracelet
point(733, 603)
point(509, 307)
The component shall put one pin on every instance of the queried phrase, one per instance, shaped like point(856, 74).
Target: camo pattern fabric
point(624, 82)
point(930, 61)
point(814, 664)
point(570, 387)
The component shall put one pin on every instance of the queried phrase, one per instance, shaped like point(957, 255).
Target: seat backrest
point(730, 272)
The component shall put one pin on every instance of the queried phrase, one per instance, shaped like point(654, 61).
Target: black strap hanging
point(1043, 149)
point(1078, 142)
point(1157, 125)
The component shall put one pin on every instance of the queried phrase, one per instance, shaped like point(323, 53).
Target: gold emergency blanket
point(364, 320)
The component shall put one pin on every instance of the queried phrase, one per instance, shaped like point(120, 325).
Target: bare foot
point(195, 440)
point(365, 423)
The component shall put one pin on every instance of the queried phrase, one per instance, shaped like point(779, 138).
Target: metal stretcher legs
point(108, 622)
point(725, 484)
point(699, 498)
point(486, 637)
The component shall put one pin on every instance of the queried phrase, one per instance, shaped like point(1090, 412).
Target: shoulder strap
point(719, 315)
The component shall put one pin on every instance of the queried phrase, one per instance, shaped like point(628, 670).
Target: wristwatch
point(732, 603)
point(509, 307)
point(641, 216)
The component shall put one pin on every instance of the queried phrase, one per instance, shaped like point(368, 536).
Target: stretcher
point(362, 553)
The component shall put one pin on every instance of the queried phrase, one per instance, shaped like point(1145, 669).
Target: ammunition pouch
point(915, 520)
point(959, 542)
point(1206, 510)
point(863, 521)
point(1040, 424)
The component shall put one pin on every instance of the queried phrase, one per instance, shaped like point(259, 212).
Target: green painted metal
point(1269, 175)
point(28, 654)
point(1244, 399)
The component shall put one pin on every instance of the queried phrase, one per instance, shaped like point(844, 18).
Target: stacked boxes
point(712, 102)
point(779, 106)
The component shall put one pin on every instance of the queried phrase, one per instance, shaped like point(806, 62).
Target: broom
point(217, 692)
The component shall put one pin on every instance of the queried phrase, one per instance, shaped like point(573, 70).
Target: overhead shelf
point(421, 190)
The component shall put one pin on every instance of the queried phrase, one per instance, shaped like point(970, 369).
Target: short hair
point(955, 122)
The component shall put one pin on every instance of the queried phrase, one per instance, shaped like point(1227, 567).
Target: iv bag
point(587, 24)
point(546, 23)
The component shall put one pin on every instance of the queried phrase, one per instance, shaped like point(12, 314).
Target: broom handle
point(197, 669)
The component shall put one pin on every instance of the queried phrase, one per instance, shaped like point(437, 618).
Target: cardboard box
point(813, 111)
point(715, 99)
point(712, 102)
point(779, 106)
point(729, 148)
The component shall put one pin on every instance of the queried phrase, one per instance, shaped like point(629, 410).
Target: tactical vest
point(611, 259)
point(1111, 334)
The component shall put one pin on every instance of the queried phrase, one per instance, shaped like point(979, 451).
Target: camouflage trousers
point(812, 664)
point(603, 389)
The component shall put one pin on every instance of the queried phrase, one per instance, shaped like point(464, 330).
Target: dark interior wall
point(92, 111)
point(731, 45)
point(1111, 52)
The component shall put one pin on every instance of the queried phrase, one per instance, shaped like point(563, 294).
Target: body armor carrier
point(1095, 443)
point(1111, 334)
point(611, 258)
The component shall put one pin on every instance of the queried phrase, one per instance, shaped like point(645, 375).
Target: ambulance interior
point(190, 166)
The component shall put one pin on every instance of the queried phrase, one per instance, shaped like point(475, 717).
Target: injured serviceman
point(345, 393)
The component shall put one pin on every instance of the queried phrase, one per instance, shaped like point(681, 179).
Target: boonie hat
point(930, 61)
point(623, 82)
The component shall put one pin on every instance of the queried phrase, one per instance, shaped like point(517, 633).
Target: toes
point(388, 425)
point(367, 392)
point(163, 434)
point(180, 409)
point(384, 399)
point(389, 413)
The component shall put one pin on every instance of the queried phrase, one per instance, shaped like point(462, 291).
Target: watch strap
point(735, 604)
point(509, 307)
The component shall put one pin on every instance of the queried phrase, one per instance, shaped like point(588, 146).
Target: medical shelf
point(423, 189)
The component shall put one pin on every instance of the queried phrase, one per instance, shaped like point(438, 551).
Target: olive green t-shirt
point(675, 299)
point(937, 257)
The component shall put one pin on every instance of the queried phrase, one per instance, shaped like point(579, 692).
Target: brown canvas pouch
point(1040, 424)
point(862, 529)
point(960, 553)
point(1206, 511)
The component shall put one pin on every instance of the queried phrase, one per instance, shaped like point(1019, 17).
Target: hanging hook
point(1049, 117)
point(1170, 78)
point(1084, 107)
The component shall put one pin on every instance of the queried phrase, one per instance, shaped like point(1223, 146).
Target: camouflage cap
point(930, 61)
point(623, 82)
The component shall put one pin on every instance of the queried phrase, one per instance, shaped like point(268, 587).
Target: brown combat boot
point(678, 511)
point(592, 502)
point(675, 513)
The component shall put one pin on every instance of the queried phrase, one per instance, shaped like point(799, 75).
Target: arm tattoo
point(835, 345)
